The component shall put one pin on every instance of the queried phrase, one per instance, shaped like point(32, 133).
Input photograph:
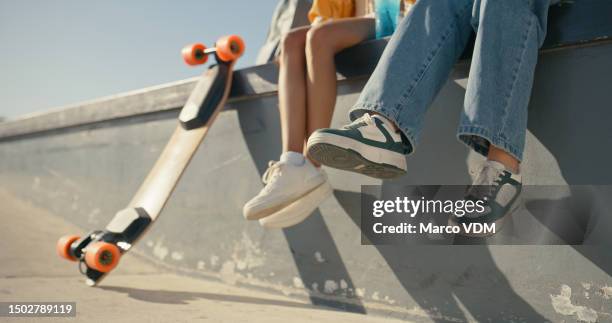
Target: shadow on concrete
point(446, 278)
point(423, 271)
point(574, 128)
point(181, 297)
point(442, 279)
point(265, 146)
point(580, 220)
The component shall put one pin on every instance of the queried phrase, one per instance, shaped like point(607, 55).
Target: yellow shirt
point(323, 10)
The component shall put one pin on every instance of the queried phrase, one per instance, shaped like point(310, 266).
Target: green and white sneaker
point(368, 145)
point(499, 189)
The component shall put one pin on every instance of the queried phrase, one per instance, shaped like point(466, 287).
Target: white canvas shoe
point(299, 210)
point(285, 181)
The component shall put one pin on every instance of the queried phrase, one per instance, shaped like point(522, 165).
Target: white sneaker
point(299, 210)
point(499, 190)
point(286, 181)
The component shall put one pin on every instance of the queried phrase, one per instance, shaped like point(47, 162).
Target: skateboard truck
point(226, 50)
point(118, 237)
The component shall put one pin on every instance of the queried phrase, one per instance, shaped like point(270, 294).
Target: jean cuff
point(479, 139)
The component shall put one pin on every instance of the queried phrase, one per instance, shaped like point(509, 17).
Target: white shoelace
point(365, 118)
point(369, 120)
point(272, 173)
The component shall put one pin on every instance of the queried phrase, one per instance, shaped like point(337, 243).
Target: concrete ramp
point(138, 291)
point(84, 162)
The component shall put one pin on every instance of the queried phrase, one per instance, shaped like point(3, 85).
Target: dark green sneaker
point(368, 146)
point(499, 191)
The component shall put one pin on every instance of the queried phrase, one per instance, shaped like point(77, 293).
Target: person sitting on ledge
point(388, 116)
point(295, 185)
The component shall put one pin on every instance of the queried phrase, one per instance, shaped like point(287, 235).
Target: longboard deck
point(209, 96)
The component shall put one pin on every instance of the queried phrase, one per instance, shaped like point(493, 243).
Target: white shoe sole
point(279, 204)
point(352, 155)
point(299, 210)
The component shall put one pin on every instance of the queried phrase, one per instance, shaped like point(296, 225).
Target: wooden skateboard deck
point(99, 251)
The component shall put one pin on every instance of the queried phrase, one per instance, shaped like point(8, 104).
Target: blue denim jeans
point(427, 44)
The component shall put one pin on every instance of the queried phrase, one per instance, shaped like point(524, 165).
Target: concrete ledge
point(580, 23)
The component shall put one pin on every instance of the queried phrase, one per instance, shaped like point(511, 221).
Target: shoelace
point(273, 171)
point(486, 183)
point(365, 119)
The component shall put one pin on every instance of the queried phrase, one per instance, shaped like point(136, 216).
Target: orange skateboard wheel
point(102, 256)
point(63, 246)
point(194, 54)
point(229, 48)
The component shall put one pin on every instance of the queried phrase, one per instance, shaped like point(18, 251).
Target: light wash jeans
point(427, 44)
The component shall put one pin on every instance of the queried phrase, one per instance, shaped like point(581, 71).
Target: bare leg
point(500, 155)
point(324, 41)
point(292, 90)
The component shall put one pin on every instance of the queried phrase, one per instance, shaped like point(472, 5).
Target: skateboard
point(98, 252)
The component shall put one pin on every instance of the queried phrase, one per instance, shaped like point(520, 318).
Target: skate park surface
point(70, 170)
point(137, 292)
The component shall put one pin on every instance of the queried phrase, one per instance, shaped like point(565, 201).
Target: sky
point(56, 53)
